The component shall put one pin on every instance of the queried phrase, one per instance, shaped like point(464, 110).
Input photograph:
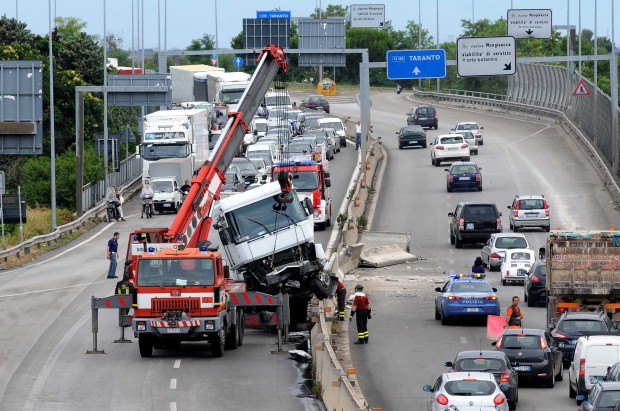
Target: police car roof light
point(481, 276)
point(295, 163)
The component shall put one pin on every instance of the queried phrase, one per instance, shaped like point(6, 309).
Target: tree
point(206, 42)
point(13, 32)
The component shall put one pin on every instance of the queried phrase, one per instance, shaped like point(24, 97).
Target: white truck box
point(183, 80)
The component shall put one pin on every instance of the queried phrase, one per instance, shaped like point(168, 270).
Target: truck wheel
point(232, 338)
point(241, 326)
point(146, 345)
point(218, 341)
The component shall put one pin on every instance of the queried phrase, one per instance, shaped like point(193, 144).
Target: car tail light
point(450, 177)
point(561, 309)
point(464, 145)
point(505, 377)
point(498, 344)
point(507, 273)
point(401, 137)
point(582, 367)
point(559, 336)
point(435, 115)
point(439, 147)
point(461, 223)
point(499, 399)
point(415, 116)
point(495, 255)
point(534, 279)
point(499, 224)
point(478, 177)
point(491, 297)
point(546, 208)
point(442, 399)
point(455, 297)
point(543, 342)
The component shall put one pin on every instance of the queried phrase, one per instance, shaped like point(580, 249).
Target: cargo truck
point(583, 273)
point(184, 86)
point(227, 88)
point(175, 134)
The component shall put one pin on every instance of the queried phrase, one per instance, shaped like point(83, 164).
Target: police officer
point(361, 307)
point(341, 295)
point(514, 316)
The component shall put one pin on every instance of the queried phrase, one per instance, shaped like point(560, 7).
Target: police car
point(466, 296)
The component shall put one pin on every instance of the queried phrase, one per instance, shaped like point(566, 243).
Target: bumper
point(476, 237)
point(470, 311)
point(538, 222)
point(465, 184)
point(451, 155)
point(164, 205)
point(513, 276)
point(418, 142)
point(196, 328)
point(425, 123)
point(538, 371)
point(539, 294)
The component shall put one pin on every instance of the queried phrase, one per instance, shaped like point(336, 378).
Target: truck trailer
point(183, 85)
point(227, 88)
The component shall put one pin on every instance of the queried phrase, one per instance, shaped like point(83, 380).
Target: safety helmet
point(359, 287)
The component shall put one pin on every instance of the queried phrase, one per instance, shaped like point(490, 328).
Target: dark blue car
point(464, 174)
point(466, 296)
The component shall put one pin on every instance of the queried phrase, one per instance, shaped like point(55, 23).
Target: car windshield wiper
point(256, 222)
point(513, 347)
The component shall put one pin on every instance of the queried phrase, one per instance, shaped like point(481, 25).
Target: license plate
point(531, 214)
point(464, 178)
point(452, 148)
point(523, 368)
point(173, 330)
point(469, 226)
point(167, 205)
point(596, 378)
point(412, 143)
point(561, 345)
point(472, 309)
point(521, 272)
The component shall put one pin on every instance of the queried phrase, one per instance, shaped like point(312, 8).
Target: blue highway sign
point(274, 14)
point(238, 62)
point(412, 64)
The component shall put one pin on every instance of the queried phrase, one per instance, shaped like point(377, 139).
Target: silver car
point(529, 211)
point(493, 251)
point(470, 139)
point(467, 391)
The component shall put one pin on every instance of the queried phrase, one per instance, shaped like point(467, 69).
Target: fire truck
point(311, 180)
point(184, 291)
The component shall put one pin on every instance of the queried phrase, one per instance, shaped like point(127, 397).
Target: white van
point(335, 123)
point(593, 355)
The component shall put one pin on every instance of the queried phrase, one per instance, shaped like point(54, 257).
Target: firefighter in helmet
point(361, 308)
point(341, 295)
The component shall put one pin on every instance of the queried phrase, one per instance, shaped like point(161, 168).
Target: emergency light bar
point(480, 276)
point(294, 163)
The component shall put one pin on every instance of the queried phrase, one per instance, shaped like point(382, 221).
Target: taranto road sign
point(412, 64)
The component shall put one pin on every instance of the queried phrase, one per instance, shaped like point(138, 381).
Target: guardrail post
point(95, 327)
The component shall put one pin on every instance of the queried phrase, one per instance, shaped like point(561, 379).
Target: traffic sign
point(486, 56)
point(238, 62)
point(529, 23)
point(581, 89)
point(213, 61)
point(214, 56)
point(411, 64)
point(367, 15)
point(273, 14)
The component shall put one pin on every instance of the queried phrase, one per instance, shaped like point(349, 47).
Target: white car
point(470, 126)
point(516, 264)
point(449, 147)
point(471, 140)
point(259, 126)
point(469, 390)
point(493, 251)
point(335, 123)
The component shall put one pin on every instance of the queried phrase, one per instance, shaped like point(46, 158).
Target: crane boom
point(193, 220)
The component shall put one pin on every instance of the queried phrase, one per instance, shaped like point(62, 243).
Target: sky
point(191, 19)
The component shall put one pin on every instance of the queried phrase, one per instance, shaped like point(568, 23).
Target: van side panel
point(598, 357)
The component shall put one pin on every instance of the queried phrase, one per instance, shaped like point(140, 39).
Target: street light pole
point(420, 35)
point(105, 103)
point(216, 43)
point(437, 41)
point(52, 134)
point(613, 74)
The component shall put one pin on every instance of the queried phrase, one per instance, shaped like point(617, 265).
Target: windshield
point(181, 272)
point(480, 364)
point(259, 163)
point(231, 96)
point(299, 148)
point(472, 126)
point(511, 242)
point(151, 152)
point(162, 186)
point(265, 155)
point(519, 342)
point(278, 100)
point(306, 181)
point(336, 125)
point(164, 135)
point(470, 387)
point(261, 127)
point(609, 399)
point(476, 287)
point(578, 326)
point(312, 122)
point(245, 165)
point(264, 217)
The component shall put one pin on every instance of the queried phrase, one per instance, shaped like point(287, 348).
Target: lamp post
point(52, 135)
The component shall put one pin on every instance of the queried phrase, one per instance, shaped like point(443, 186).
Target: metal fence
point(93, 193)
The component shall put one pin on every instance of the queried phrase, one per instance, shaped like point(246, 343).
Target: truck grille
point(187, 305)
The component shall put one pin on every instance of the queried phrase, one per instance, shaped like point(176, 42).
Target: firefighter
point(361, 307)
point(125, 287)
point(514, 316)
point(341, 294)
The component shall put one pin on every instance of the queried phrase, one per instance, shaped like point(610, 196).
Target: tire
point(448, 188)
point(467, 159)
point(480, 187)
point(444, 320)
point(451, 239)
point(571, 393)
point(437, 315)
point(241, 327)
point(504, 282)
point(424, 145)
point(321, 288)
point(400, 147)
point(145, 344)
point(232, 338)
point(437, 163)
point(550, 382)
point(548, 228)
point(512, 405)
point(176, 208)
point(529, 301)
point(481, 143)
point(458, 243)
point(218, 342)
point(432, 161)
point(511, 226)
point(560, 375)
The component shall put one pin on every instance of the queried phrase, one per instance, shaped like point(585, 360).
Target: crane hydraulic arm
point(194, 219)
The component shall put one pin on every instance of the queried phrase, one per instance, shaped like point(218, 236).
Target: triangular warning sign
point(581, 89)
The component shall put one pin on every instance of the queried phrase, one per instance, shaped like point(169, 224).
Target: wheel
point(448, 188)
point(241, 326)
point(571, 393)
point(480, 187)
point(146, 345)
point(524, 296)
point(437, 162)
point(515, 228)
point(161, 211)
point(176, 208)
point(530, 302)
point(458, 243)
point(512, 405)
point(437, 315)
point(560, 375)
point(400, 147)
point(504, 282)
point(218, 342)
point(481, 143)
point(451, 239)
point(321, 285)
point(444, 320)
point(232, 338)
point(548, 228)
point(550, 382)
point(432, 161)
point(466, 158)
point(424, 145)
point(511, 226)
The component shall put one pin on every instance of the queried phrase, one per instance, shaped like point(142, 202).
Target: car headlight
point(141, 326)
point(210, 325)
point(316, 214)
point(169, 199)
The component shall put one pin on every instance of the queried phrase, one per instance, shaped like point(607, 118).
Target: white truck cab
point(167, 196)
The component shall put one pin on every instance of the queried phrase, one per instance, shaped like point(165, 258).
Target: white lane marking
point(173, 406)
point(526, 137)
point(177, 363)
point(463, 340)
point(50, 289)
point(173, 384)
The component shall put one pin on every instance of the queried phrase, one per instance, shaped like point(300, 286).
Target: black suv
point(474, 222)
point(425, 116)
point(535, 284)
point(315, 102)
point(573, 325)
point(495, 362)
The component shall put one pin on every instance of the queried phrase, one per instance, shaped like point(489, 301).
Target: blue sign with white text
point(412, 64)
point(238, 62)
point(275, 14)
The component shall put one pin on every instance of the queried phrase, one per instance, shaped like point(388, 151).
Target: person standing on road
point(478, 266)
point(358, 135)
point(341, 295)
point(119, 202)
point(514, 316)
point(112, 254)
point(361, 307)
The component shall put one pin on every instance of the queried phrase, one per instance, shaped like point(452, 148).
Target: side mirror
point(226, 271)
point(449, 364)
point(328, 174)
point(308, 205)
point(580, 398)
point(452, 129)
point(509, 207)
point(446, 169)
point(432, 144)
point(427, 388)
point(479, 168)
point(438, 289)
point(481, 128)
point(450, 214)
point(500, 213)
point(396, 132)
point(494, 344)
point(255, 132)
point(551, 326)
point(494, 289)
point(328, 182)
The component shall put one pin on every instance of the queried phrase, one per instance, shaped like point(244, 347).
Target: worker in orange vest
point(341, 295)
point(514, 316)
point(361, 307)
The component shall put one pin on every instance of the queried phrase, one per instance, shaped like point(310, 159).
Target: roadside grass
point(39, 222)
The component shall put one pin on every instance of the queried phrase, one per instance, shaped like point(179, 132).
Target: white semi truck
point(184, 86)
point(227, 88)
point(175, 134)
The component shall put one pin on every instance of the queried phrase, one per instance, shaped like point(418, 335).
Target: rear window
point(602, 354)
point(426, 111)
point(471, 287)
point(608, 399)
point(473, 126)
point(470, 387)
point(479, 212)
point(451, 140)
point(574, 326)
point(511, 242)
point(520, 256)
point(531, 204)
point(541, 270)
point(518, 342)
point(411, 132)
point(480, 364)
point(464, 169)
